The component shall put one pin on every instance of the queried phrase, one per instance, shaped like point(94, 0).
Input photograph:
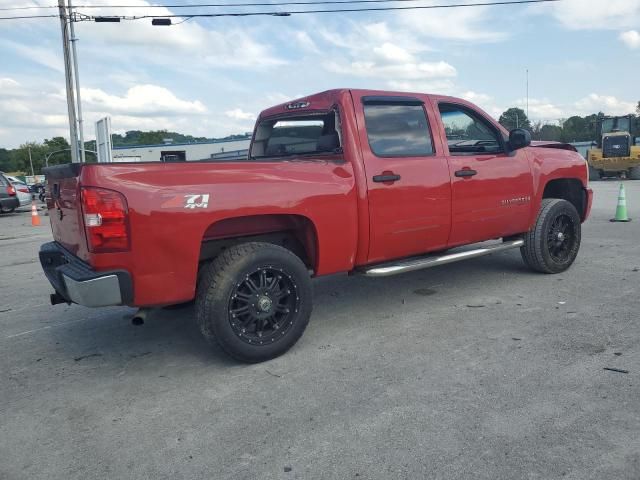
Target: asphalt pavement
point(475, 370)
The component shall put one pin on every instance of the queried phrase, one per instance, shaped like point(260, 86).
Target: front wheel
point(254, 301)
point(552, 244)
point(594, 174)
point(634, 173)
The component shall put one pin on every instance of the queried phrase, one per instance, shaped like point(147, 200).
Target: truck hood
point(558, 145)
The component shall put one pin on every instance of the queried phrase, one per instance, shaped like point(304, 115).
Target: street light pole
point(51, 154)
point(71, 106)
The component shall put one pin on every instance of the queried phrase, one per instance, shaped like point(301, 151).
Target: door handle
point(386, 178)
point(466, 172)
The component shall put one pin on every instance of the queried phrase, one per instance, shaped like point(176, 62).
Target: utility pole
point(527, 93)
point(33, 174)
point(74, 52)
point(71, 106)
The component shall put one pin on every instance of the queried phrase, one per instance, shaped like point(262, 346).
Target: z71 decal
point(191, 201)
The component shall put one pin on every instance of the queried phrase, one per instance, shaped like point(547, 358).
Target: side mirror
point(519, 138)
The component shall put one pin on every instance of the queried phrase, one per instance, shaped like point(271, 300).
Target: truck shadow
point(171, 335)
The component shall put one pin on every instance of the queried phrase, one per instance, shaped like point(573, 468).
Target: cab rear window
point(297, 135)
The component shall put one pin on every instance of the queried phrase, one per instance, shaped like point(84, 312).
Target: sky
point(211, 77)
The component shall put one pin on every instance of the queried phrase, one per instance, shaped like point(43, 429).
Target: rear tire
point(552, 244)
point(594, 174)
point(634, 173)
point(254, 300)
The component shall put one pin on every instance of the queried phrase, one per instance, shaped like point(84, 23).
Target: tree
point(58, 144)
point(514, 117)
point(536, 129)
point(6, 162)
point(638, 108)
point(550, 133)
point(576, 129)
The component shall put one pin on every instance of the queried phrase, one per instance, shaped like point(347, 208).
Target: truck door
point(409, 188)
point(491, 187)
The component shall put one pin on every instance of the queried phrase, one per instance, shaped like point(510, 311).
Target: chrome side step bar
point(388, 269)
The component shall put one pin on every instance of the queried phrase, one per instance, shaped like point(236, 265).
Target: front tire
point(634, 173)
point(552, 244)
point(254, 300)
point(594, 174)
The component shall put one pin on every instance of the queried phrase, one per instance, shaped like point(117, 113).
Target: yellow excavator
point(615, 153)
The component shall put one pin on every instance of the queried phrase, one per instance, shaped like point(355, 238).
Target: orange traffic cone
point(35, 218)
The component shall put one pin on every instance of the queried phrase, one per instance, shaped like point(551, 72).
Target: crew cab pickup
point(358, 181)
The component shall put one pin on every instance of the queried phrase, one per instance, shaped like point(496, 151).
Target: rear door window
point(398, 130)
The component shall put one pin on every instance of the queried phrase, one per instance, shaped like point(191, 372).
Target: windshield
point(616, 125)
point(297, 135)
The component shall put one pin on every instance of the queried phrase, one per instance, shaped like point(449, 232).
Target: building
point(181, 152)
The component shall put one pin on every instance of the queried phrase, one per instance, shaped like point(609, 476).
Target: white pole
point(74, 54)
point(71, 107)
point(527, 93)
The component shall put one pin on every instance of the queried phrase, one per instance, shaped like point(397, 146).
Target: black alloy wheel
point(561, 238)
point(262, 305)
point(254, 300)
point(552, 245)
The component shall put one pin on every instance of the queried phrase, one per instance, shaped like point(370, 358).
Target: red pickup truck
point(359, 181)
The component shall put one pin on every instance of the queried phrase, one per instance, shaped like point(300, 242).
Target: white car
point(22, 190)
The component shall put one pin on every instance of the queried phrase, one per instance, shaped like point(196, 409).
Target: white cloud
point(239, 114)
point(631, 38)
point(436, 86)
point(141, 100)
point(7, 83)
point(475, 97)
point(608, 104)
point(541, 109)
point(464, 24)
point(27, 116)
point(41, 55)
point(305, 42)
point(594, 14)
point(548, 111)
point(390, 52)
point(223, 48)
point(407, 71)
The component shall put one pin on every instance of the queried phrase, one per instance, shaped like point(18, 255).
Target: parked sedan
point(8, 198)
point(22, 190)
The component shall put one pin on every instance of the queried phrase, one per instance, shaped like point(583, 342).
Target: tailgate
point(63, 203)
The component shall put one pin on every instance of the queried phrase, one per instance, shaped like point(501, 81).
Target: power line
point(224, 5)
point(279, 13)
point(28, 16)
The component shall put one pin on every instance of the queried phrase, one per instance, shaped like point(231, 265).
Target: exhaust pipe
point(140, 316)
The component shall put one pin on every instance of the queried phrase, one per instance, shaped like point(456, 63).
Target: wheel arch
point(296, 233)
point(569, 189)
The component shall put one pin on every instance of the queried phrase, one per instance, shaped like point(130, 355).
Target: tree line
point(56, 150)
point(572, 129)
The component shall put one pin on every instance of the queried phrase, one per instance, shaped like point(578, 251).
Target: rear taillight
point(106, 220)
point(23, 190)
point(10, 190)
